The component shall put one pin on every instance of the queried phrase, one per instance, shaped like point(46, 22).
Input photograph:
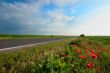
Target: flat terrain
point(3, 36)
point(72, 55)
point(7, 43)
point(105, 40)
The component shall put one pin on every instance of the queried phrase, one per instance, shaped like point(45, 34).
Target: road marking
point(29, 45)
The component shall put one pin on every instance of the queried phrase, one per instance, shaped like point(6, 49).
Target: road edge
point(27, 46)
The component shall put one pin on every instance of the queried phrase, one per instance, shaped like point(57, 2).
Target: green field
point(103, 39)
point(73, 55)
point(9, 36)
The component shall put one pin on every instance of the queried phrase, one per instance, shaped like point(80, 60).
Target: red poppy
point(92, 51)
point(90, 65)
point(83, 57)
point(87, 48)
point(94, 56)
point(78, 51)
point(87, 51)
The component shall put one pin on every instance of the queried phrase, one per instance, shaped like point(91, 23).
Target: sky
point(55, 17)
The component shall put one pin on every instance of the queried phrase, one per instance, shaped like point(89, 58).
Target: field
point(10, 36)
point(73, 55)
point(103, 39)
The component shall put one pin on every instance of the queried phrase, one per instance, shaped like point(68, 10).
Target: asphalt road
point(8, 43)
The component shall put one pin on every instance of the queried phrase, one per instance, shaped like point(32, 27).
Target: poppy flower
point(94, 56)
point(83, 57)
point(87, 51)
point(92, 51)
point(78, 51)
point(90, 65)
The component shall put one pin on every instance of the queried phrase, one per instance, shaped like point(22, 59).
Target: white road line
point(24, 46)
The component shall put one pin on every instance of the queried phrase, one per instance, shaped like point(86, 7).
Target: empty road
point(10, 43)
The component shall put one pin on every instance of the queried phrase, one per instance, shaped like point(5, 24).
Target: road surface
point(17, 43)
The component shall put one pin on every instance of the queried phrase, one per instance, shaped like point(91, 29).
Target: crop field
point(73, 55)
point(103, 39)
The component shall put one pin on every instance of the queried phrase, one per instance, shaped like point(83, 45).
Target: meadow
point(72, 55)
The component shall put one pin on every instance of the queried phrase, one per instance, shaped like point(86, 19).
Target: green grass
point(103, 39)
point(9, 36)
point(9, 60)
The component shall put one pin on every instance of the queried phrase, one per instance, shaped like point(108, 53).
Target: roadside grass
point(81, 56)
point(9, 60)
point(104, 40)
point(78, 55)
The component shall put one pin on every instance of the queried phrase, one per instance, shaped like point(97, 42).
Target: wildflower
point(90, 65)
point(87, 51)
point(83, 57)
point(93, 55)
point(78, 51)
point(92, 51)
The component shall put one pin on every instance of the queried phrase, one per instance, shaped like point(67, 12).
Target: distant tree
point(51, 35)
point(82, 35)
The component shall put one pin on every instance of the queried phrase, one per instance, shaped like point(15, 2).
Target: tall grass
point(19, 59)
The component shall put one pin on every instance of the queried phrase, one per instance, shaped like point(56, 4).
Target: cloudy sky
point(55, 17)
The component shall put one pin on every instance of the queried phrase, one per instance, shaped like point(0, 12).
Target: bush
point(82, 35)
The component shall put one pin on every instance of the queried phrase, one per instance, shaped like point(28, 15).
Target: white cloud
point(59, 3)
point(58, 23)
point(95, 23)
point(62, 2)
point(29, 18)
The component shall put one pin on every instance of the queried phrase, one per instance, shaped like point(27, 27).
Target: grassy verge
point(80, 56)
point(18, 59)
point(104, 40)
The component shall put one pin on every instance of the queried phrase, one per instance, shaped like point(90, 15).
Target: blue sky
point(55, 17)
